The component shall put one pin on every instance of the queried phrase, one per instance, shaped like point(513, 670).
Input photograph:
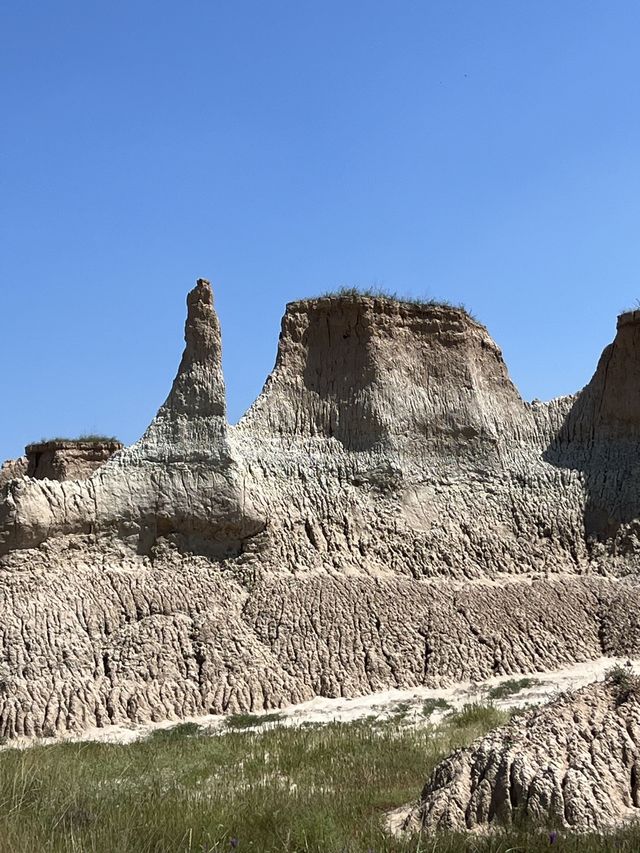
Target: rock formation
point(68, 459)
point(389, 512)
point(572, 764)
point(12, 469)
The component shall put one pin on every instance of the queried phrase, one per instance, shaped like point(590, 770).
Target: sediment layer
point(389, 512)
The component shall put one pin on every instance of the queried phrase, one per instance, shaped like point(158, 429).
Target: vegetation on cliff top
point(375, 292)
point(87, 438)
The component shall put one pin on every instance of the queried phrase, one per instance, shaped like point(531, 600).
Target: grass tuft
point(85, 438)
point(511, 687)
point(184, 730)
point(431, 705)
point(248, 721)
point(629, 309)
point(625, 682)
point(485, 717)
point(352, 293)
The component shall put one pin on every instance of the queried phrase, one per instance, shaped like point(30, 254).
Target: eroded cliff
point(389, 512)
point(573, 764)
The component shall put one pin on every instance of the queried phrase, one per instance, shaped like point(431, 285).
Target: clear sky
point(483, 152)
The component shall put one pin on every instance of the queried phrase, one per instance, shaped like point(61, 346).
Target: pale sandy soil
point(407, 703)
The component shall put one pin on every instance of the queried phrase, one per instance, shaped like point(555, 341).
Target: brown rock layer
point(378, 372)
point(68, 460)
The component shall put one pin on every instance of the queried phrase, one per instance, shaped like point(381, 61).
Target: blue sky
point(485, 153)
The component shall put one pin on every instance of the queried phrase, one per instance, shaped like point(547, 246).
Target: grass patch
point(88, 438)
point(315, 789)
point(319, 789)
point(351, 293)
point(248, 721)
point(176, 732)
point(431, 705)
point(625, 682)
point(400, 710)
point(481, 717)
point(511, 687)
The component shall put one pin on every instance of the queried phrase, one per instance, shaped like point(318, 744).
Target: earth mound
point(573, 764)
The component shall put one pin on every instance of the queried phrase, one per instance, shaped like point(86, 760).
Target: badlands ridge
point(389, 513)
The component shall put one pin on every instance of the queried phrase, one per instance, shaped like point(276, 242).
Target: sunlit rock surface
point(388, 513)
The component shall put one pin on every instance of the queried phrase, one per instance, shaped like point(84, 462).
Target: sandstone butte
point(388, 513)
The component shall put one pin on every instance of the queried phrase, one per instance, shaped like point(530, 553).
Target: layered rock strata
point(68, 459)
point(573, 764)
point(389, 512)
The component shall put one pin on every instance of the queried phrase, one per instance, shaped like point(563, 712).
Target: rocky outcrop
point(13, 469)
point(389, 512)
point(380, 373)
point(599, 437)
point(180, 478)
point(573, 764)
point(68, 459)
point(608, 409)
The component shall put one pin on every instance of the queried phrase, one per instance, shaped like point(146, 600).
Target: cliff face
point(388, 513)
point(376, 373)
point(600, 437)
point(608, 409)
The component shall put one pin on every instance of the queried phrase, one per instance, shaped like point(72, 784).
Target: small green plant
point(625, 682)
point(474, 714)
point(400, 710)
point(248, 721)
point(431, 705)
point(176, 732)
point(510, 687)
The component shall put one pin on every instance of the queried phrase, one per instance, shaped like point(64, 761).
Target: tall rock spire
point(191, 424)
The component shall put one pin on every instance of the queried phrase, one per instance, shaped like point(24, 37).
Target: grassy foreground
point(279, 790)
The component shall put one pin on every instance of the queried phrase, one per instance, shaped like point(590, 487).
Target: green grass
point(176, 732)
point(511, 687)
point(86, 438)
point(624, 682)
point(431, 705)
point(400, 710)
point(313, 789)
point(247, 721)
point(482, 718)
point(381, 293)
